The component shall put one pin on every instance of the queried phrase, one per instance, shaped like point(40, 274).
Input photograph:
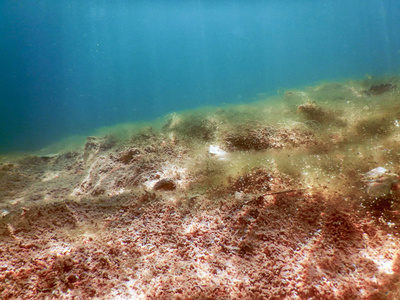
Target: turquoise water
point(68, 67)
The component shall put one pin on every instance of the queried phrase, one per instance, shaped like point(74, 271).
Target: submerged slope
point(271, 199)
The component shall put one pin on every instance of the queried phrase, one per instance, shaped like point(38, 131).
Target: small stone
point(165, 185)
point(379, 182)
point(72, 278)
point(98, 191)
point(238, 195)
point(128, 155)
point(36, 197)
point(4, 213)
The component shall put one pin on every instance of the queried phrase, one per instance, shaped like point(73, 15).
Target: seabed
point(295, 196)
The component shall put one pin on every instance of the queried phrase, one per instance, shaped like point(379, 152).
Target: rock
point(91, 143)
point(95, 144)
point(165, 185)
point(4, 213)
point(128, 155)
point(379, 182)
point(239, 195)
point(98, 191)
point(36, 197)
point(107, 142)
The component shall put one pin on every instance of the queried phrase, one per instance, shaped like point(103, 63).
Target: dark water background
point(70, 66)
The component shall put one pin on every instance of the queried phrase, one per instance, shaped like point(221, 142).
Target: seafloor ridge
point(291, 197)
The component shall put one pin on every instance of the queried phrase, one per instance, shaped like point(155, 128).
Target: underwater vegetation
point(295, 196)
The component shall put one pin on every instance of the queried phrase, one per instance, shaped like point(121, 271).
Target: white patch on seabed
point(217, 152)
point(59, 248)
point(194, 226)
point(384, 262)
point(78, 190)
point(4, 213)
point(117, 192)
point(50, 175)
point(356, 92)
point(17, 201)
point(127, 292)
point(87, 181)
point(384, 265)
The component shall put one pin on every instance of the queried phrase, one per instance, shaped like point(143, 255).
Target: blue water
point(69, 66)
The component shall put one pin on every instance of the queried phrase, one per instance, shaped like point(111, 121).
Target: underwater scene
point(200, 149)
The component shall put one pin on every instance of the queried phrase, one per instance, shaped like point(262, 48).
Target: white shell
point(376, 173)
point(217, 151)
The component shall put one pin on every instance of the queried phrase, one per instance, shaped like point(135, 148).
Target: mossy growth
point(146, 136)
point(191, 127)
point(210, 174)
point(256, 181)
point(250, 139)
point(268, 137)
point(373, 126)
point(312, 112)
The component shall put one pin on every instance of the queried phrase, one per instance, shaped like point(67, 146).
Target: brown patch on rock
point(257, 181)
point(313, 112)
point(377, 90)
point(127, 156)
point(372, 127)
point(95, 144)
point(252, 139)
point(165, 185)
point(265, 138)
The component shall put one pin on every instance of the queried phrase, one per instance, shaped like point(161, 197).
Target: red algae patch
point(291, 246)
